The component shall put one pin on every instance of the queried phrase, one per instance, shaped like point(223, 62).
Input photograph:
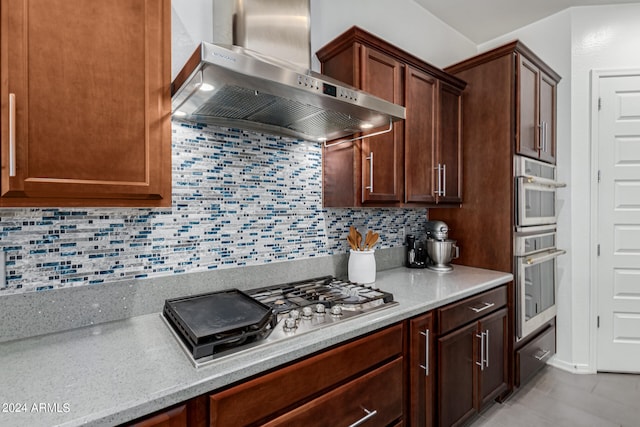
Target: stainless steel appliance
point(253, 85)
point(536, 187)
point(536, 278)
point(219, 324)
point(440, 249)
point(441, 253)
point(535, 251)
point(437, 230)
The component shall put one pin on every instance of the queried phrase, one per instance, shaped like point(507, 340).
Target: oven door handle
point(543, 257)
point(542, 181)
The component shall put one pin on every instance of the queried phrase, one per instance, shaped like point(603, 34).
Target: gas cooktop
point(219, 324)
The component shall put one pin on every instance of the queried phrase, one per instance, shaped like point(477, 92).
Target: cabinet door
point(85, 102)
point(422, 371)
point(450, 144)
point(421, 91)
point(381, 156)
point(548, 118)
point(528, 129)
point(457, 375)
point(494, 375)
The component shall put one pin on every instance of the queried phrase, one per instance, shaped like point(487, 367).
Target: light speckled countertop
point(114, 372)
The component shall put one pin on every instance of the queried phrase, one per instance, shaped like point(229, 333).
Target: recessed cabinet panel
point(90, 116)
point(548, 118)
point(529, 131)
point(457, 375)
point(422, 371)
point(381, 156)
point(450, 144)
point(420, 154)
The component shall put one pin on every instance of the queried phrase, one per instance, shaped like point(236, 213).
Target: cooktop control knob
point(294, 314)
point(290, 324)
point(336, 310)
point(320, 308)
point(307, 312)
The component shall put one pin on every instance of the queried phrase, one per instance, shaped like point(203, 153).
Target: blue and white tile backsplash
point(239, 198)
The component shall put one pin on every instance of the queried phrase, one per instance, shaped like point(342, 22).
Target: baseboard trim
point(574, 368)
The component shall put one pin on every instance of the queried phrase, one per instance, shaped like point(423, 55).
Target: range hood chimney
point(257, 76)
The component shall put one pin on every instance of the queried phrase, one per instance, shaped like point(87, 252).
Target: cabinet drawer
point(376, 396)
point(272, 393)
point(462, 312)
point(533, 356)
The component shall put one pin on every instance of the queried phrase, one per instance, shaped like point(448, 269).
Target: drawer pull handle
point(370, 414)
point(485, 306)
point(426, 352)
point(542, 354)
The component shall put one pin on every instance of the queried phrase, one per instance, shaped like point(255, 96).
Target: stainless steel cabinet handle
point(544, 354)
point(438, 191)
point(370, 158)
point(486, 352)
point(444, 180)
point(426, 352)
point(12, 134)
point(370, 414)
point(546, 137)
point(485, 306)
point(481, 363)
point(538, 146)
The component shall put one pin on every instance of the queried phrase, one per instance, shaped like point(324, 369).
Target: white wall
point(603, 37)
point(401, 22)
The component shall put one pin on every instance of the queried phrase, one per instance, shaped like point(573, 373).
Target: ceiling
point(484, 20)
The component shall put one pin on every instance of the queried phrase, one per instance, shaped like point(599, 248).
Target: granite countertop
point(114, 372)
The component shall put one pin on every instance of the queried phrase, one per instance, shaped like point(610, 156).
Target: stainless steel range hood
point(238, 87)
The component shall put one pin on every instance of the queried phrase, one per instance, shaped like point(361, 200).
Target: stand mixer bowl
point(442, 252)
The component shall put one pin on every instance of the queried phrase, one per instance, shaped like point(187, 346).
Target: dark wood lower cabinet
point(375, 399)
point(472, 358)
point(335, 385)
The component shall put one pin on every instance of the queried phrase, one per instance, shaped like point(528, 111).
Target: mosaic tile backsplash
point(239, 198)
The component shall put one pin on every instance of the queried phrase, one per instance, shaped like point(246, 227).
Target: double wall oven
point(535, 247)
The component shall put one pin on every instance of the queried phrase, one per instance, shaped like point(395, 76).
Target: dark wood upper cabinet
point(536, 92)
point(419, 163)
point(85, 103)
point(420, 149)
point(381, 156)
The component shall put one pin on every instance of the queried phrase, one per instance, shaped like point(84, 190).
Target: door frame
point(596, 75)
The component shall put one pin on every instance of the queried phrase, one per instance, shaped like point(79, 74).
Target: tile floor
point(558, 398)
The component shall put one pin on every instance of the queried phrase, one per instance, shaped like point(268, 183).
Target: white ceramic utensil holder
point(362, 266)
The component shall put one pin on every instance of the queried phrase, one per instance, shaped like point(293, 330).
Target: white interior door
point(618, 222)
